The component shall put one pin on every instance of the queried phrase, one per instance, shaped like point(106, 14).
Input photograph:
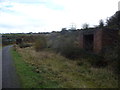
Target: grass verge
point(28, 77)
point(49, 70)
point(24, 71)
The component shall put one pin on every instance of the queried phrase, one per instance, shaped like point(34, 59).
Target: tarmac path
point(9, 76)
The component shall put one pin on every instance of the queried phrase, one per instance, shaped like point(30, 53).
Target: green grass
point(24, 71)
point(28, 77)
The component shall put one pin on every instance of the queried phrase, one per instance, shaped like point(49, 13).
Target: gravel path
point(9, 76)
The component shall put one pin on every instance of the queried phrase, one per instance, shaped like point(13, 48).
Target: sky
point(23, 16)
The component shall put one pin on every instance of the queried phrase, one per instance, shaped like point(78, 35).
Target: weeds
point(24, 45)
point(40, 43)
point(58, 71)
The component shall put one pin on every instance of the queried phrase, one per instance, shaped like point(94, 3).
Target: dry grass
point(66, 73)
point(0, 46)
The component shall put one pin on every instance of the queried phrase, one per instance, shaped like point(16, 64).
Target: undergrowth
point(51, 70)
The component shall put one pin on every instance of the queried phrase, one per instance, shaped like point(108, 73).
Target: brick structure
point(96, 39)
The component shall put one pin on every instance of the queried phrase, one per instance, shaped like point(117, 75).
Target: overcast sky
point(52, 15)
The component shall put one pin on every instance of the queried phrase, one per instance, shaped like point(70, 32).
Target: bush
point(19, 41)
point(66, 47)
point(111, 56)
point(14, 47)
point(24, 45)
point(96, 60)
point(40, 43)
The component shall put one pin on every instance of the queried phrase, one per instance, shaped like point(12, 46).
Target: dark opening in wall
point(88, 42)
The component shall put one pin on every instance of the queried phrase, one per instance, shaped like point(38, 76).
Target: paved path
point(9, 76)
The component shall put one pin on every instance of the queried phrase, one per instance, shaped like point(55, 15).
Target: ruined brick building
point(97, 39)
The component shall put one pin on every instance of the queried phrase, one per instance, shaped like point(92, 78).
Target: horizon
point(24, 16)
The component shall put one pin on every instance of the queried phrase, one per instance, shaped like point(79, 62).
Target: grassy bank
point(28, 77)
point(24, 71)
point(0, 46)
point(49, 70)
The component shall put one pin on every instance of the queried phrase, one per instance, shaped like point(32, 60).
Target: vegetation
point(114, 21)
point(24, 45)
point(101, 24)
point(46, 69)
point(85, 26)
point(40, 43)
point(111, 56)
point(24, 70)
point(0, 45)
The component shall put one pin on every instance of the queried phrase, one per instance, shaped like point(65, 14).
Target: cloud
point(48, 15)
point(27, 15)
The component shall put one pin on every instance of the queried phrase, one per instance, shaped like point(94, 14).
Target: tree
point(101, 23)
point(63, 31)
point(114, 21)
point(85, 26)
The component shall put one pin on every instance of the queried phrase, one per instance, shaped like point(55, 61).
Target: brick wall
point(109, 37)
point(81, 40)
point(97, 41)
point(101, 38)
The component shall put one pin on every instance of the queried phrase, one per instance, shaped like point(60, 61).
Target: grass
point(24, 71)
point(28, 77)
point(0, 46)
point(49, 70)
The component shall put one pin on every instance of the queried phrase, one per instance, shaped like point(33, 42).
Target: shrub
point(96, 60)
point(111, 55)
point(40, 43)
point(69, 49)
point(24, 45)
point(14, 47)
point(66, 47)
point(19, 41)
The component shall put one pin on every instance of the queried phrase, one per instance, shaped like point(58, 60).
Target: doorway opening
point(88, 42)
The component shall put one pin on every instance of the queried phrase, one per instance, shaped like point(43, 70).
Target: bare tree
point(85, 26)
point(101, 23)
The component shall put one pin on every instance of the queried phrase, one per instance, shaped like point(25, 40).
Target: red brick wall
point(102, 38)
point(109, 37)
point(81, 40)
point(97, 41)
